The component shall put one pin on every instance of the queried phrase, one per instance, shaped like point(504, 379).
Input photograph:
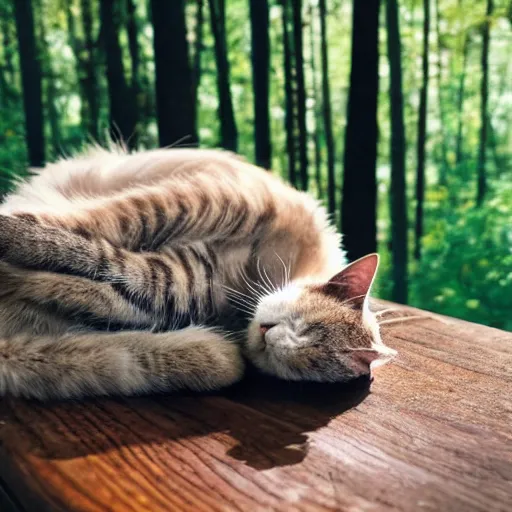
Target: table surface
point(433, 432)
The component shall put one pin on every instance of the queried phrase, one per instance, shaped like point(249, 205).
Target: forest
point(395, 114)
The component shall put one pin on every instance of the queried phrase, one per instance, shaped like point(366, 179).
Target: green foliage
point(13, 154)
point(466, 269)
point(466, 266)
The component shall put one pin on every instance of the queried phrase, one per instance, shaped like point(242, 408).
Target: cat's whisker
point(256, 292)
point(272, 285)
point(403, 319)
point(233, 290)
point(262, 287)
point(242, 299)
point(234, 336)
point(387, 310)
point(352, 298)
point(242, 309)
point(240, 295)
point(264, 291)
point(242, 304)
point(286, 271)
point(266, 282)
point(246, 305)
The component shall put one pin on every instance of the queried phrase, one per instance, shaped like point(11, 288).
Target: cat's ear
point(354, 282)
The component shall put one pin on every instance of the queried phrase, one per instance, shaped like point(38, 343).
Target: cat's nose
point(264, 328)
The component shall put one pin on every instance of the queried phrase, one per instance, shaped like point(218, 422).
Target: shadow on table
point(262, 421)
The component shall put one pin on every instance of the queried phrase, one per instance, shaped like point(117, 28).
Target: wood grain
point(433, 432)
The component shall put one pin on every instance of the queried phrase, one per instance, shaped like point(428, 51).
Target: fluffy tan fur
point(152, 242)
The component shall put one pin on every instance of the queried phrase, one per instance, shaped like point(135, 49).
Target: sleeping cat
point(120, 274)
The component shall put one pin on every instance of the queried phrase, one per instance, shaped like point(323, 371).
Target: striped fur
point(146, 244)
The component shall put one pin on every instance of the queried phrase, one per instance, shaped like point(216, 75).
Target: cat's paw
point(218, 361)
point(229, 363)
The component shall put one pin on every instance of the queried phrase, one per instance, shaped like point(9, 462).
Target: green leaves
point(466, 270)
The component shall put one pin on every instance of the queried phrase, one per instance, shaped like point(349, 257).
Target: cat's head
point(320, 332)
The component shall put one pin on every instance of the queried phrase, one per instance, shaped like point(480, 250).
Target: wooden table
point(433, 432)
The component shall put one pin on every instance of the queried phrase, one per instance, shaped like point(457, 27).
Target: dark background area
point(396, 114)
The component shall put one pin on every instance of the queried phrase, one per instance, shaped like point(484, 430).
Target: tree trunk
point(499, 162)
point(228, 129)
point(122, 118)
point(49, 80)
point(442, 116)
point(260, 59)
point(90, 79)
point(484, 93)
point(316, 132)
point(132, 30)
point(76, 46)
point(327, 116)
point(31, 80)
point(289, 99)
point(460, 103)
point(3, 89)
point(196, 69)
point(422, 133)
point(359, 204)
point(398, 183)
point(301, 92)
point(174, 100)
point(8, 49)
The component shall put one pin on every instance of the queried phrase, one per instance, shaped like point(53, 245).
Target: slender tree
point(174, 100)
point(229, 132)
point(327, 116)
point(90, 76)
point(499, 162)
point(442, 114)
point(289, 96)
point(359, 204)
point(260, 60)
point(398, 184)
point(122, 117)
point(422, 133)
point(77, 47)
point(31, 78)
point(484, 95)
point(132, 30)
point(460, 102)
point(3, 88)
point(49, 80)
point(301, 92)
point(316, 130)
point(7, 43)
point(198, 50)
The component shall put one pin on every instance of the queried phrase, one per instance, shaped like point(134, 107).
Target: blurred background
point(396, 114)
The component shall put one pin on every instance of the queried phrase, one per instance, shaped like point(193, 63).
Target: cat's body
point(151, 242)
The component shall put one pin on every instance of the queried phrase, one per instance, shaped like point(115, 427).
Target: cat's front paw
point(219, 361)
point(227, 363)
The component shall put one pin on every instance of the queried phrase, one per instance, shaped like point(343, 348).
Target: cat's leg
point(181, 280)
point(126, 363)
point(46, 303)
point(205, 208)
